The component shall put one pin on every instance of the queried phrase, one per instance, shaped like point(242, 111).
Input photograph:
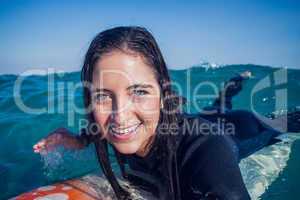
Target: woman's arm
point(63, 137)
point(231, 89)
point(85, 138)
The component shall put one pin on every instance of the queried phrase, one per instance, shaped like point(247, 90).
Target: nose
point(121, 111)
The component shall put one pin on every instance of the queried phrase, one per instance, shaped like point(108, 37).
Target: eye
point(140, 92)
point(101, 98)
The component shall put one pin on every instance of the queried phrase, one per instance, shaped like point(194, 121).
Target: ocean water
point(32, 106)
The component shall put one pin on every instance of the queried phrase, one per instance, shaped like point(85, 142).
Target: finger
point(36, 147)
point(41, 144)
point(36, 151)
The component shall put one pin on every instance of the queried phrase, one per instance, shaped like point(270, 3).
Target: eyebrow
point(134, 86)
point(139, 86)
point(100, 90)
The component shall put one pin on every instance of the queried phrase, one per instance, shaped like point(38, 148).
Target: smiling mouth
point(124, 133)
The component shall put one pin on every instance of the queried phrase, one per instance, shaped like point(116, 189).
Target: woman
point(131, 105)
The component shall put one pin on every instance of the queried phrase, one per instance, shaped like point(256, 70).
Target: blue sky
point(56, 33)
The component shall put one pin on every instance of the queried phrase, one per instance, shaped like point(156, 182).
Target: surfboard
point(89, 187)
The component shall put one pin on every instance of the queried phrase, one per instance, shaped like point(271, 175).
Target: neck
point(144, 150)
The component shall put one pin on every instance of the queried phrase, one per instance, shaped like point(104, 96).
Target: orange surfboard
point(90, 187)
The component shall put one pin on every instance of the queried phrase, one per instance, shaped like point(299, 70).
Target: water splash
point(262, 168)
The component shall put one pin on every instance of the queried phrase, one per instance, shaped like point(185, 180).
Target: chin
point(130, 148)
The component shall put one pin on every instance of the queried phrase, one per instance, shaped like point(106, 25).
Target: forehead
point(121, 68)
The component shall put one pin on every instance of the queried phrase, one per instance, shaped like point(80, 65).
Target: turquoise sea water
point(272, 173)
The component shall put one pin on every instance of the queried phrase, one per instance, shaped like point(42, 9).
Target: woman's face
point(126, 101)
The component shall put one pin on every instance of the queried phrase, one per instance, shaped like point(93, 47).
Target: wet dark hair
point(137, 40)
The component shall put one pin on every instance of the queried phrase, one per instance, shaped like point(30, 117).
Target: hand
point(59, 137)
point(246, 74)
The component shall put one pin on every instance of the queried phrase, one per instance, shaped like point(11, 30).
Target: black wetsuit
point(207, 156)
point(207, 164)
point(208, 159)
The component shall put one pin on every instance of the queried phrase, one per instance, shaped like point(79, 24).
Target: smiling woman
point(121, 62)
point(131, 106)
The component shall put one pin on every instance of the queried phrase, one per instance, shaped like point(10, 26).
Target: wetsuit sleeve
point(231, 88)
point(212, 171)
point(234, 86)
point(86, 138)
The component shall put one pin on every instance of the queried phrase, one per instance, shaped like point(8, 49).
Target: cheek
point(148, 106)
point(101, 120)
point(149, 111)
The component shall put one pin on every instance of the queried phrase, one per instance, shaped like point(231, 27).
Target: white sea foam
point(262, 168)
point(103, 189)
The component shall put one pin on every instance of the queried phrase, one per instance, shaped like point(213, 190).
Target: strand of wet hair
point(104, 161)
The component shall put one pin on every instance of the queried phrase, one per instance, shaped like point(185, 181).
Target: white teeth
point(123, 131)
